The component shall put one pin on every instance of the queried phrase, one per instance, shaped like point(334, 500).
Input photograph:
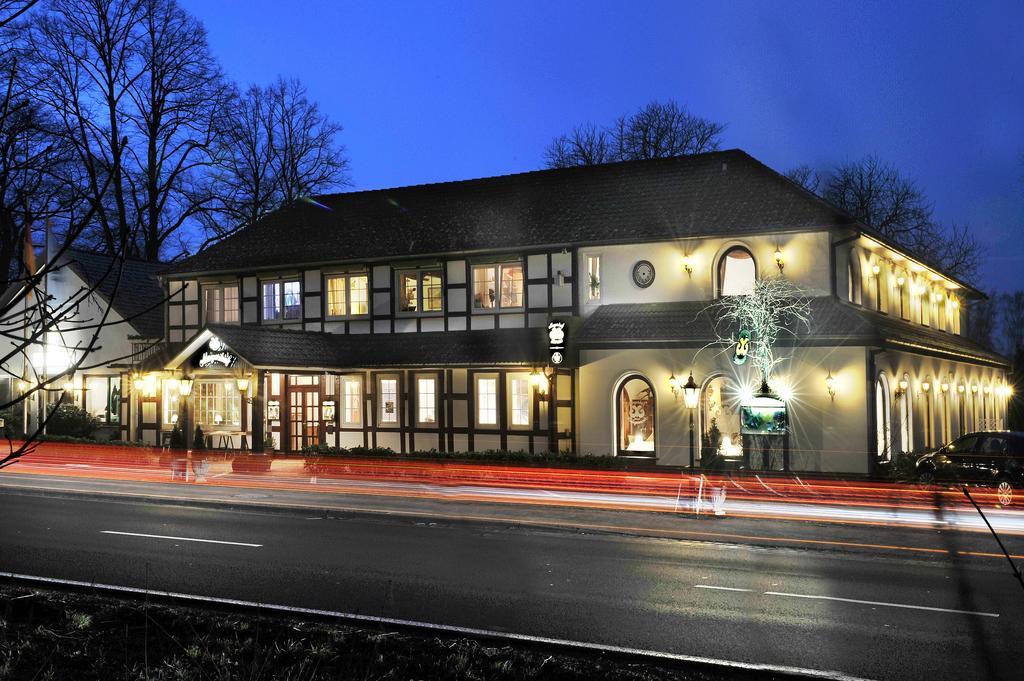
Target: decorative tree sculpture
point(755, 321)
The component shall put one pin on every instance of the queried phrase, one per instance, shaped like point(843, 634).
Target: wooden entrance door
point(303, 412)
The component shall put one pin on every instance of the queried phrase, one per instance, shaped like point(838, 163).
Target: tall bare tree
point(879, 195)
point(138, 97)
point(805, 176)
point(658, 130)
point(277, 148)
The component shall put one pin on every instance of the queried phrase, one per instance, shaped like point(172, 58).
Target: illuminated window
point(282, 300)
point(420, 291)
point(883, 429)
point(426, 400)
point(351, 401)
point(593, 278)
point(217, 404)
point(519, 399)
point(737, 272)
point(387, 398)
point(103, 397)
point(220, 304)
point(347, 295)
point(498, 286)
point(906, 417)
point(486, 401)
point(854, 290)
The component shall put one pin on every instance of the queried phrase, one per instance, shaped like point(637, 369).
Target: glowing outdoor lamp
point(901, 280)
point(875, 269)
point(673, 383)
point(540, 382)
point(830, 385)
point(926, 385)
point(974, 388)
point(184, 386)
point(779, 259)
point(691, 393)
point(901, 387)
point(944, 387)
point(688, 265)
point(242, 383)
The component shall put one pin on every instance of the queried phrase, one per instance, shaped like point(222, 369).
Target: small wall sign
point(556, 342)
point(273, 410)
point(217, 354)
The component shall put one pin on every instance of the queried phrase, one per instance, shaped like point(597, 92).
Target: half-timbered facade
point(419, 317)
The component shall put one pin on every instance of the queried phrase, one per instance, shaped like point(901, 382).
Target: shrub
point(199, 439)
point(177, 438)
point(492, 455)
point(67, 419)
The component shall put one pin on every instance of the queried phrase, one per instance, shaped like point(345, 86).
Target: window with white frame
point(593, 278)
point(426, 399)
point(737, 272)
point(217, 404)
point(387, 399)
point(348, 295)
point(282, 300)
point(498, 286)
point(351, 401)
point(487, 400)
point(420, 291)
point(103, 397)
point(220, 304)
point(519, 400)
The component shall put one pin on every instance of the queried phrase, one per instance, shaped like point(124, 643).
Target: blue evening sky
point(432, 91)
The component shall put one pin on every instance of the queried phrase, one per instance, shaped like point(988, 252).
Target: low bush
point(67, 419)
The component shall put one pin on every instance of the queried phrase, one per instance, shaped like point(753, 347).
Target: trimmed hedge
point(486, 456)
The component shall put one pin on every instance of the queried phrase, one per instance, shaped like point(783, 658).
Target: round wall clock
point(643, 273)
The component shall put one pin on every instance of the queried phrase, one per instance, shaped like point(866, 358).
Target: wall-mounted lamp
point(988, 389)
point(780, 260)
point(974, 388)
point(875, 269)
point(830, 386)
point(242, 383)
point(961, 389)
point(23, 386)
point(900, 280)
point(691, 391)
point(688, 266)
point(926, 386)
point(540, 382)
point(184, 386)
point(944, 387)
point(956, 302)
point(673, 383)
point(901, 388)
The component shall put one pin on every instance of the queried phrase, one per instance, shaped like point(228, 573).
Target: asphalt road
point(871, 615)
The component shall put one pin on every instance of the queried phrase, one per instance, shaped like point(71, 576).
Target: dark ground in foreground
point(48, 634)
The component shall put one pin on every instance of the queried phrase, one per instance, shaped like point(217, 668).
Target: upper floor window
point(498, 286)
point(282, 300)
point(854, 285)
point(348, 295)
point(220, 304)
point(420, 291)
point(593, 278)
point(737, 272)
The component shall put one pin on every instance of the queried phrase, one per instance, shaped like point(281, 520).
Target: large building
point(563, 310)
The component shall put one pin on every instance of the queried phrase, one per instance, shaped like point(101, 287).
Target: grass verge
point(48, 634)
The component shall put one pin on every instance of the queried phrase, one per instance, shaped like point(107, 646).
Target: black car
point(994, 459)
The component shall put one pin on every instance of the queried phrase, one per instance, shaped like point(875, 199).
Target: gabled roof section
point(717, 193)
point(833, 322)
point(137, 295)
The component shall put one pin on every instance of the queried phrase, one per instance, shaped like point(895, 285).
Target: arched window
point(855, 290)
point(883, 427)
point(961, 400)
point(635, 417)
point(737, 272)
point(906, 418)
point(720, 437)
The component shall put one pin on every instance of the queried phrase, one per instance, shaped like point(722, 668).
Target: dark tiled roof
point(691, 324)
point(726, 192)
point(262, 346)
point(137, 295)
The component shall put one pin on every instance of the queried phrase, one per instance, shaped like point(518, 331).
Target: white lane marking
point(452, 629)
point(883, 603)
point(163, 536)
point(720, 588)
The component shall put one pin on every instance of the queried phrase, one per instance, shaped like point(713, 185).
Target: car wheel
point(926, 477)
point(1004, 492)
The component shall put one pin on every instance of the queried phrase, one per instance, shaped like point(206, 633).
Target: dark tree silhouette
point(658, 130)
